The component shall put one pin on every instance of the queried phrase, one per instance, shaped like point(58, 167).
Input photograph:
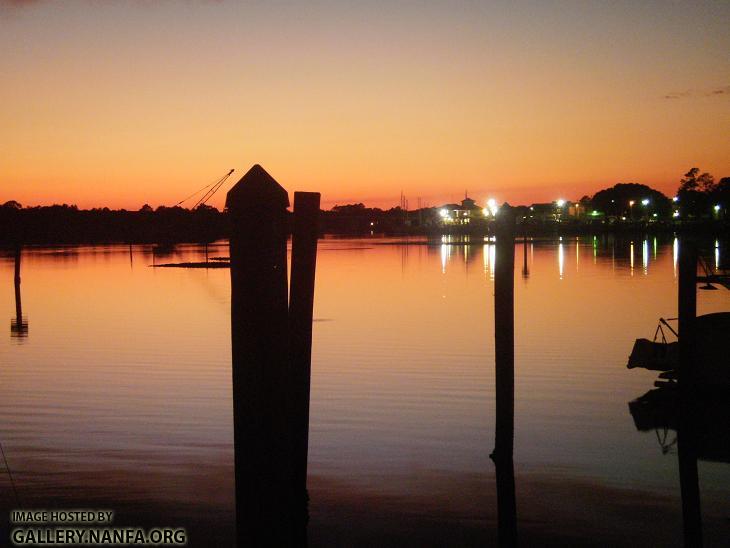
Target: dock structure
point(271, 341)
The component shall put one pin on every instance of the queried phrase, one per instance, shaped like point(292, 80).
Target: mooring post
point(257, 206)
point(504, 352)
point(16, 280)
point(305, 232)
point(525, 268)
point(686, 429)
point(687, 312)
point(20, 327)
point(504, 330)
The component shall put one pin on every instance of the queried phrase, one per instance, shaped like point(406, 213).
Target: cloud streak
point(18, 3)
point(694, 93)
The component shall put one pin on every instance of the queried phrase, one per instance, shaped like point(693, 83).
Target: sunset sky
point(121, 103)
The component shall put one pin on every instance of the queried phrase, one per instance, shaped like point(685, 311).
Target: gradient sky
point(118, 103)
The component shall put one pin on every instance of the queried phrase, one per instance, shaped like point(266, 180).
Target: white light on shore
point(492, 206)
point(560, 202)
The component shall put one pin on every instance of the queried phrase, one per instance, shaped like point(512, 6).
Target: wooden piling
point(16, 280)
point(259, 335)
point(687, 312)
point(505, 375)
point(305, 232)
point(525, 268)
point(504, 330)
point(686, 430)
point(18, 326)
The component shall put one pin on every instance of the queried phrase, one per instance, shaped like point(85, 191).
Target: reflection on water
point(717, 255)
point(121, 398)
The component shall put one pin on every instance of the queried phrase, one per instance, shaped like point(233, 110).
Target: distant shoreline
point(57, 225)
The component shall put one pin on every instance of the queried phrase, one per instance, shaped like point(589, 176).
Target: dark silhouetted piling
point(259, 335)
point(525, 267)
point(305, 232)
point(16, 280)
point(18, 325)
point(687, 308)
point(504, 350)
point(686, 429)
point(504, 330)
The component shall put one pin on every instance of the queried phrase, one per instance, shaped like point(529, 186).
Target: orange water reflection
point(121, 392)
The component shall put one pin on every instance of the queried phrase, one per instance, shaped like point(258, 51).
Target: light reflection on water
point(121, 392)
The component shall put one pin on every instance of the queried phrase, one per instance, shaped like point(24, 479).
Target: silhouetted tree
point(617, 199)
point(692, 180)
point(721, 192)
point(695, 193)
point(350, 209)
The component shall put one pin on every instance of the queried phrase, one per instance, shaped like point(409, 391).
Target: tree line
point(699, 199)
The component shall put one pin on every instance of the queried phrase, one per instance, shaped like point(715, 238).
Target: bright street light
point(493, 207)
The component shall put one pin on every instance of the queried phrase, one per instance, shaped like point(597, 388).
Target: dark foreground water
point(119, 394)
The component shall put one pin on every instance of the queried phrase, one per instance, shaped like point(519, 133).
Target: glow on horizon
point(121, 104)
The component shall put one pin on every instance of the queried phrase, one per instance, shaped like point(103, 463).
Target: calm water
point(119, 396)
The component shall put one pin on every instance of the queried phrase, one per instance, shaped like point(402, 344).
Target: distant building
point(461, 214)
point(542, 212)
point(557, 211)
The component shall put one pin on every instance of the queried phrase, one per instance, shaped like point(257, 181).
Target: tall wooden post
point(16, 280)
point(525, 268)
point(504, 331)
point(504, 351)
point(305, 232)
point(18, 326)
point(687, 308)
point(259, 335)
point(686, 430)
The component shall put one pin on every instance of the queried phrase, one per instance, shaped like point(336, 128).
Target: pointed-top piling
point(257, 188)
point(262, 437)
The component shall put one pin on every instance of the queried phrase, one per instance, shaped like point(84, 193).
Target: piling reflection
point(698, 428)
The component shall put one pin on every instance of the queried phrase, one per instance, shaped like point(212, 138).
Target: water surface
point(119, 394)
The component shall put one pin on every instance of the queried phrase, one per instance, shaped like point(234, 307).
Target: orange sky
point(121, 103)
